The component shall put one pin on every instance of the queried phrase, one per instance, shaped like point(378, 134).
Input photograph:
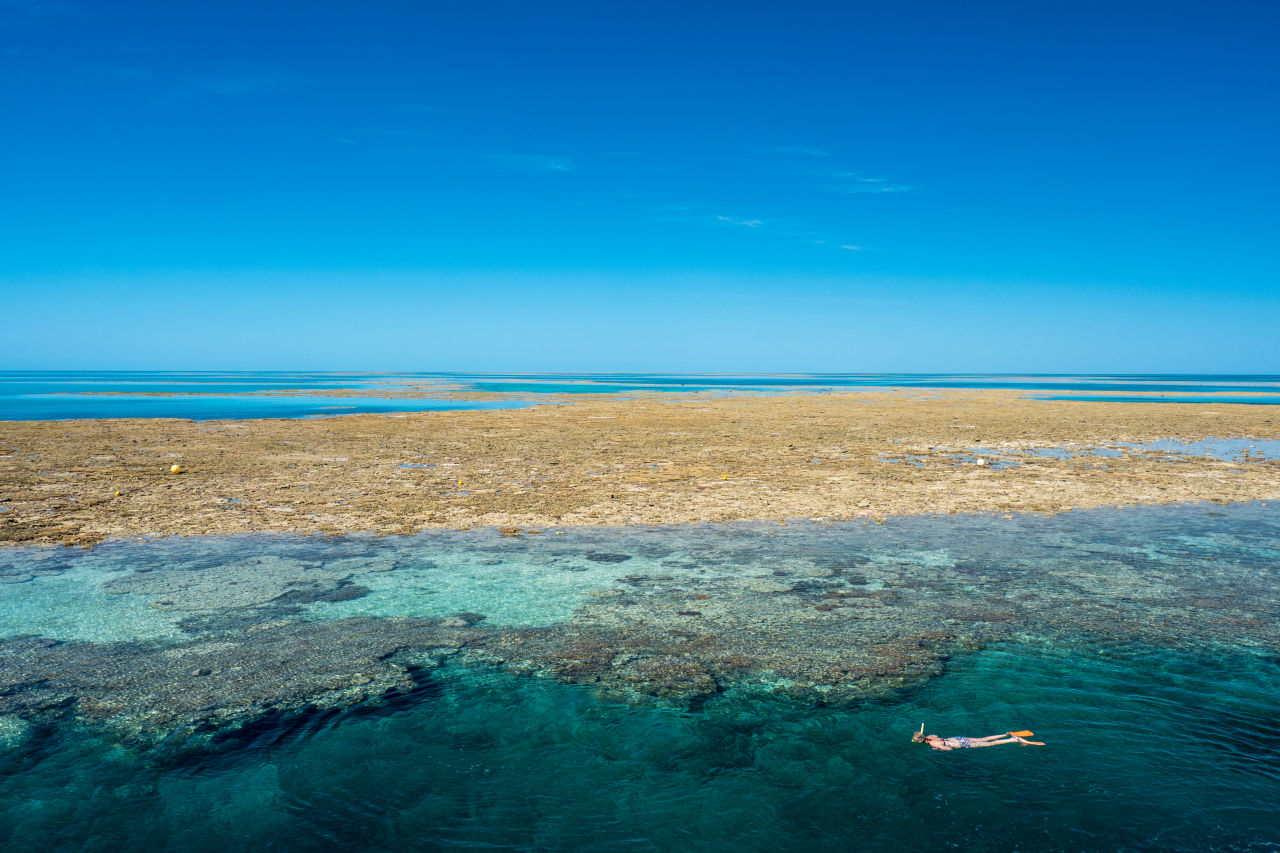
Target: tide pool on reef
point(724, 687)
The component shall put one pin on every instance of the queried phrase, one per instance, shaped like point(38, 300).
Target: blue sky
point(482, 185)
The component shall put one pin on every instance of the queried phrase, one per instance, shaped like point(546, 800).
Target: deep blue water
point(35, 395)
point(1141, 645)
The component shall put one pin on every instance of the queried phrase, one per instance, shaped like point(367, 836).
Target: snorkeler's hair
point(917, 737)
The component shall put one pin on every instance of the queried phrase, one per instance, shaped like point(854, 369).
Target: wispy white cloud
point(856, 183)
point(246, 83)
point(136, 75)
point(700, 214)
point(771, 227)
point(733, 220)
point(179, 90)
point(801, 160)
point(403, 133)
point(533, 162)
point(397, 141)
point(40, 7)
point(797, 150)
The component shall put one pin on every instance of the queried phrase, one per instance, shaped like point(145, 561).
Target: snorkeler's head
point(917, 737)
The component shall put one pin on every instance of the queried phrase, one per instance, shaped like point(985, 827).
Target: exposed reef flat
point(608, 461)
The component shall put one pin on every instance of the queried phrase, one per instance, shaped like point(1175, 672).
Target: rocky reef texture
point(608, 461)
point(822, 613)
point(253, 581)
point(195, 693)
point(847, 630)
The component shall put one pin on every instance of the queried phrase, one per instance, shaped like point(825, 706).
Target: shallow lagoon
point(205, 407)
point(209, 395)
point(730, 687)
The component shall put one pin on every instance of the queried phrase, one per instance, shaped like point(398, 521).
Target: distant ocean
point(210, 395)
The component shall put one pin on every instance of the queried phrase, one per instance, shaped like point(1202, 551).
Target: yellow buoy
point(175, 469)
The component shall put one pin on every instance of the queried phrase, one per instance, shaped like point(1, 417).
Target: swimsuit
point(958, 742)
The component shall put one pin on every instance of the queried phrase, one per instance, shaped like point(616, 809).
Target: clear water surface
point(1141, 645)
point(206, 395)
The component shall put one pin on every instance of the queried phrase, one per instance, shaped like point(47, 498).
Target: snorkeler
point(948, 743)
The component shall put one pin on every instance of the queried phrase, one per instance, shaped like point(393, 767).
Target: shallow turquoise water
point(206, 395)
point(1140, 644)
point(204, 407)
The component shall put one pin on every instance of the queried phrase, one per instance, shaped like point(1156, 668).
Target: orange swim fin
point(1022, 734)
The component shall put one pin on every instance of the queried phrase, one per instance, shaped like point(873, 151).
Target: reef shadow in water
point(203, 693)
point(221, 748)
